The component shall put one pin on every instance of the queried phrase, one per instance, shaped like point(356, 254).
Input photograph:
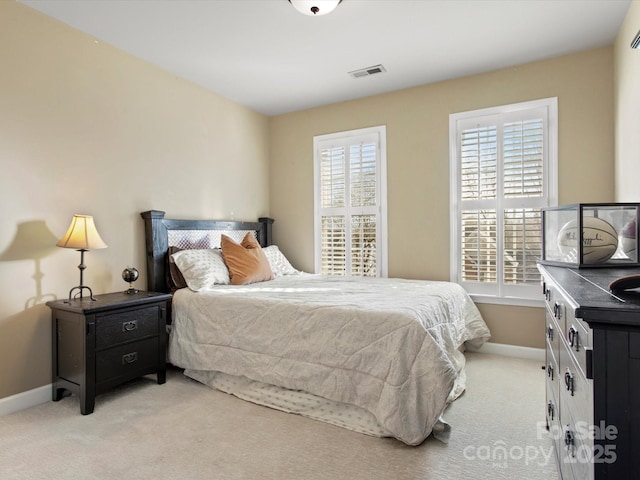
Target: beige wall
point(85, 128)
point(627, 109)
point(417, 121)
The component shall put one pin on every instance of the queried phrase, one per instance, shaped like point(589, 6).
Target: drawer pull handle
point(557, 311)
point(551, 410)
point(574, 338)
point(569, 441)
point(129, 326)
point(550, 333)
point(568, 381)
point(129, 358)
point(550, 371)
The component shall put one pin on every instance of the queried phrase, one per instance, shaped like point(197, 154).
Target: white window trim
point(381, 184)
point(550, 172)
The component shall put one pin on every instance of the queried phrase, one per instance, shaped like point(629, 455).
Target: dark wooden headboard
point(161, 233)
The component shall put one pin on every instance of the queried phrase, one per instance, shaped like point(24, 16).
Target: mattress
point(389, 347)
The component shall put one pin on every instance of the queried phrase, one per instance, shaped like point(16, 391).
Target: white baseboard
point(23, 400)
point(510, 351)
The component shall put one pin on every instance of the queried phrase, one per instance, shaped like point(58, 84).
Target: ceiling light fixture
point(315, 8)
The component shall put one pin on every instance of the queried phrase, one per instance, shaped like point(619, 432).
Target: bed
point(381, 356)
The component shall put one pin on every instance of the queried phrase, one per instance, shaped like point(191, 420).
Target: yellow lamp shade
point(82, 235)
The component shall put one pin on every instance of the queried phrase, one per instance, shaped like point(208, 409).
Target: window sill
point(514, 301)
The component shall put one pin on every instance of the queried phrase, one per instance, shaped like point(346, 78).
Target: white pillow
point(278, 262)
point(202, 268)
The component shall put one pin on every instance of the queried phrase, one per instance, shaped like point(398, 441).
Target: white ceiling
point(271, 58)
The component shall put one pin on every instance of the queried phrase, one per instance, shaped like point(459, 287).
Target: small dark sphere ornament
point(130, 274)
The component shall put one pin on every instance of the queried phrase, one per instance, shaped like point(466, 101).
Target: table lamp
point(82, 236)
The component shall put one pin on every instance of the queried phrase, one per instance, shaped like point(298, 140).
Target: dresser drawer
point(576, 392)
point(577, 443)
point(558, 306)
point(554, 426)
point(552, 409)
point(553, 334)
point(579, 339)
point(575, 333)
point(553, 374)
point(126, 360)
point(576, 417)
point(126, 325)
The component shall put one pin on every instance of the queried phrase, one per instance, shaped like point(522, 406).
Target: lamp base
point(80, 288)
point(131, 290)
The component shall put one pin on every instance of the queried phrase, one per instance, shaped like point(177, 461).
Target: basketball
point(628, 239)
point(599, 240)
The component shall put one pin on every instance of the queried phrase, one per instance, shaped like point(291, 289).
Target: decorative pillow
point(202, 268)
point(278, 262)
point(175, 280)
point(247, 262)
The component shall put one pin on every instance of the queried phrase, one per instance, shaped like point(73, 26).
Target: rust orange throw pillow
point(246, 262)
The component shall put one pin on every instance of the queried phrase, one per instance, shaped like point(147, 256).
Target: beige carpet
point(184, 430)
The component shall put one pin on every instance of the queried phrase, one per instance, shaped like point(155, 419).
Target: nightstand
point(103, 343)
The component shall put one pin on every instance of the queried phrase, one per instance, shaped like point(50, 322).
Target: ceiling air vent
point(636, 41)
point(368, 71)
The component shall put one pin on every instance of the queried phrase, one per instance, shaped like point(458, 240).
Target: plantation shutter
point(523, 167)
point(500, 187)
point(479, 181)
point(334, 245)
point(348, 180)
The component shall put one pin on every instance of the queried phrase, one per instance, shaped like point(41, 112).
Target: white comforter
point(390, 346)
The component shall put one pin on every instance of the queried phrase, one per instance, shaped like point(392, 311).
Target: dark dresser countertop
point(595, 303)
point(108, 301)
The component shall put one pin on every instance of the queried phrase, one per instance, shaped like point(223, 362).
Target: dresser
point(99, 344)
point(592, 372)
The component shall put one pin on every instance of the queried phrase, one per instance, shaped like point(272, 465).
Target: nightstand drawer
point(126, 360)
point(125, 326)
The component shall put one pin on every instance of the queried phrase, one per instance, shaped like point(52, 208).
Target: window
point(503, 172)
point(350, 203)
